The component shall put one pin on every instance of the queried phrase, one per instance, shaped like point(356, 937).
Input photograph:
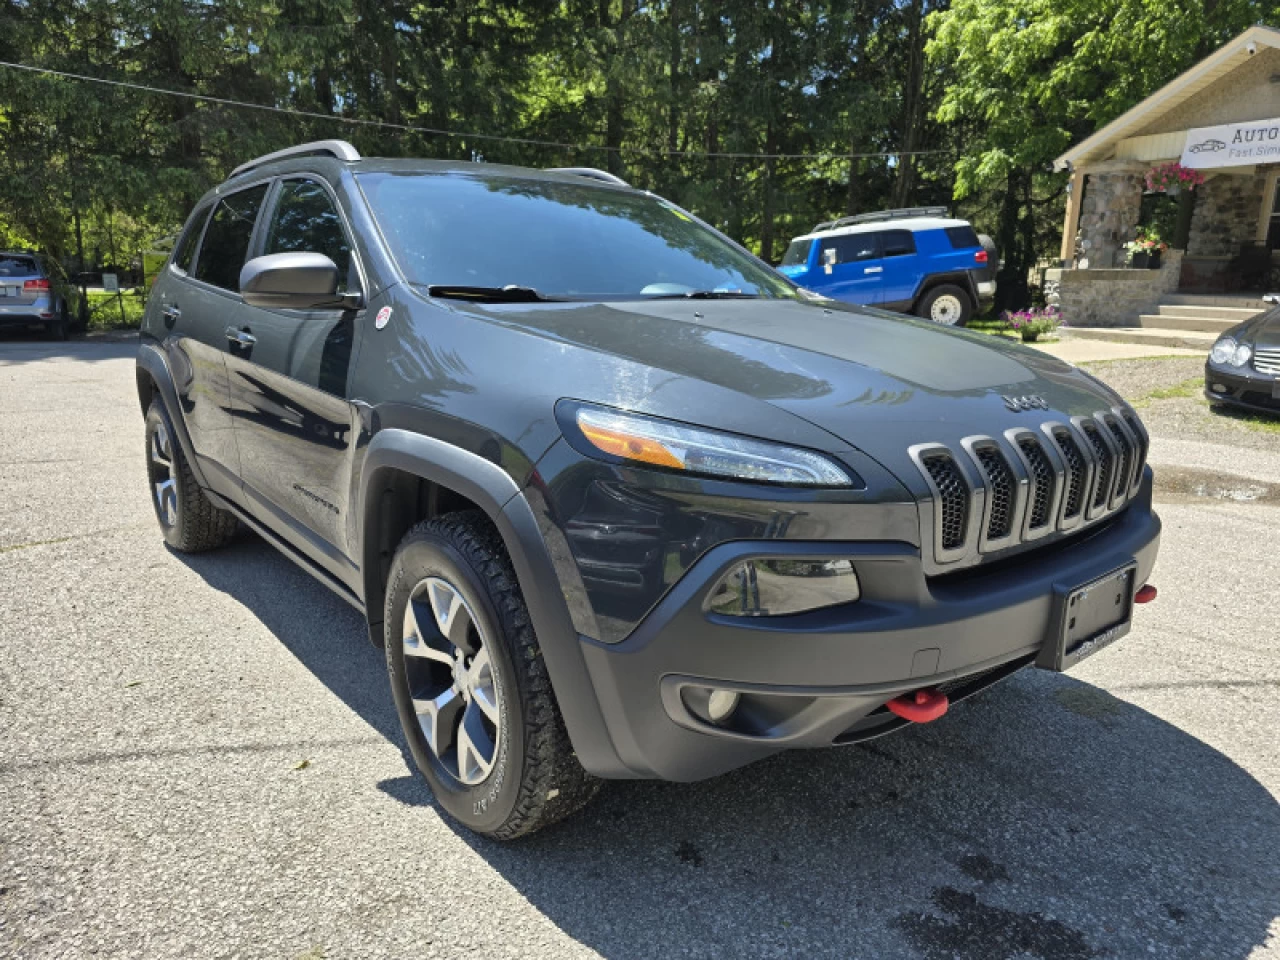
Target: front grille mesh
point(1054, 468)
point(1077, 473)
point(1001, 489)
point(1106, 465)
point(953, 495)
point(1043, 482)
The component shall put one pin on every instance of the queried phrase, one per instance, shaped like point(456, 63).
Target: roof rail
point(592, 173)
point(333, 148)
point(881, 215)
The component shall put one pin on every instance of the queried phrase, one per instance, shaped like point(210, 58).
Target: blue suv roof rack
point(881, 215)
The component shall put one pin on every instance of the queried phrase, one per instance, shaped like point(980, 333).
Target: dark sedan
point(1243, 369)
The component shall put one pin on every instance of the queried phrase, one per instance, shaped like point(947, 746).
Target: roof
point(905, 223)
point(1173, 94)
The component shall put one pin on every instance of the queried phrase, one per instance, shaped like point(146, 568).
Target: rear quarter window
point(11, 266)
point(962, 238)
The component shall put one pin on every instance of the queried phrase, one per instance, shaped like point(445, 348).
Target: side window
point(851, 247)
point(305, 220)
point(226, 240)
point(898, 243)
point(962, 238)
point(187, 245)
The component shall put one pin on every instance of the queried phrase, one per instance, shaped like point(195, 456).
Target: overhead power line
point(434, 131)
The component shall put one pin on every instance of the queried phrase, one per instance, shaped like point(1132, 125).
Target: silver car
point(28, 297)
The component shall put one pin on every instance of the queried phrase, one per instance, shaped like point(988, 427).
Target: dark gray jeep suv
point(618, 499)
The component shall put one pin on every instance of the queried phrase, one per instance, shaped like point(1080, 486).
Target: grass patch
point(1187, 388)
point(104, 310)
point(1109, 361)
point(1254, 421)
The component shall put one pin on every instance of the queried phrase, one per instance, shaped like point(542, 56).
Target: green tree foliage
point(679, 96)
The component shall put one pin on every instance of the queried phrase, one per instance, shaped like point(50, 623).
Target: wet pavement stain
point(982, 932)
point(1175, 484)
point(983, 868)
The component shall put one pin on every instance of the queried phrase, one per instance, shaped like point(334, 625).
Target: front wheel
point(947, 304)
point(470, 683)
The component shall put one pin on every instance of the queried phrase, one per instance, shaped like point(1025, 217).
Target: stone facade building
point(1221, 118)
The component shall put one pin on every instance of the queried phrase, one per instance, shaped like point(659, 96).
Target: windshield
point(797, 254)
point(562, 239)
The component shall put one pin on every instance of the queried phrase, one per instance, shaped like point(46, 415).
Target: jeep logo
point(1017, 404)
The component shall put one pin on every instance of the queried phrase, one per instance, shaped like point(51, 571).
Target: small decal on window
point(381, 320)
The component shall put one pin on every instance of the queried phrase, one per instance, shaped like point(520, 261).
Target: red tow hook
point(919, 707)
point(1146, 594)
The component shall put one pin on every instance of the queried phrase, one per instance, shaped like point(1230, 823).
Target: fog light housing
point(778, 586)
point(721, 704)
point(1218, 388)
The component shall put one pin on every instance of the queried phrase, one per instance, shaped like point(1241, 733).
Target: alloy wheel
point(451, 681)
point(164, 489)
point(946, 309)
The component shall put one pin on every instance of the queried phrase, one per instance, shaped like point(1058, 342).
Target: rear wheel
point(470, 684)
point(57, 328)
point(189, 521)
point(946, 304)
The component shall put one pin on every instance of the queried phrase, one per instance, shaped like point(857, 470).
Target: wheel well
point(146, 389)
point(397, 501)
point(936, 280)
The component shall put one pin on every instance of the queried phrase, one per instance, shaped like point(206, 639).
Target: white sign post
point(1232, 145)
point(111, 284)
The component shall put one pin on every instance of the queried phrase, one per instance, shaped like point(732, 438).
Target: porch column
point(1075, 191)
point(1109, 214)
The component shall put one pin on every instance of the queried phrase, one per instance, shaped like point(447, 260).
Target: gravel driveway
point(199, 758)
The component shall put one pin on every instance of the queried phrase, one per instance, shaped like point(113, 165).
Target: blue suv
point(917, 261)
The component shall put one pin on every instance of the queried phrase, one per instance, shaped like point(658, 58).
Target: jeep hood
point(869, 377)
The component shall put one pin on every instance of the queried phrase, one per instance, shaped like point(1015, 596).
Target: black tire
point(960, 306)
point(57, 328)
point(535, 778)
point(189, 521)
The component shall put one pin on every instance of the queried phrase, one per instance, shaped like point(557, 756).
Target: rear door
point(903, 267)
point(289, 381)
point(199, 299)
point(850, 267)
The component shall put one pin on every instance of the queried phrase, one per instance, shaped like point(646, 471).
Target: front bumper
point(821, 678)
point(1243, 387)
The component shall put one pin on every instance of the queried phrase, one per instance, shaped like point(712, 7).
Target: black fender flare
point(152, 359)
point(959, 278)
point(492, 489)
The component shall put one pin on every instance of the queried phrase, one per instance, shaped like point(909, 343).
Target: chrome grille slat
point(995, 493)
point(1267, 361)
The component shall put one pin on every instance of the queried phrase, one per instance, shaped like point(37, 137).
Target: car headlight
point(1227, 352)
point(777, 586)
point(663, 443)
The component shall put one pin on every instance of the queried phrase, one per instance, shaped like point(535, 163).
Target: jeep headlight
point(1227, 352)
point(674, 446)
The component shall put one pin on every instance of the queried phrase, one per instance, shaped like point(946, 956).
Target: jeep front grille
point(952, 498)
point(1029, 483)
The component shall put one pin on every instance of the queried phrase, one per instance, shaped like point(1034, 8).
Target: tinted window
point(797, 254)
point(562, 238)
point(305, 220)
point(187, 245)
point(962, 237)
point(11, 266)
point(897, 243)
point(226, 239)
point(851, 247)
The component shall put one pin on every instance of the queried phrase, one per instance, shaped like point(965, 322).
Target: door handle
point(873, 270)
point(241, 338)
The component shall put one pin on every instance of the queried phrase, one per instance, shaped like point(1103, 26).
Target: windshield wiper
point(511, 293)
point(707, 295)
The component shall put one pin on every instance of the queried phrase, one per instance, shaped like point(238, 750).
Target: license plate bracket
point(1089, 618)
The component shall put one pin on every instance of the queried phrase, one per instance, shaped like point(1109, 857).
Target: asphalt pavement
point(199, 758)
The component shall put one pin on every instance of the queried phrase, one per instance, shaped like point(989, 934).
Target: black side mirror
point(294, 281)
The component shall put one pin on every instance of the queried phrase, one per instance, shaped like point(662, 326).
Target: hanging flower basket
point(1170, 178)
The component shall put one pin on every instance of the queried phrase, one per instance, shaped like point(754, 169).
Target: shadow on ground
point(1045, 819)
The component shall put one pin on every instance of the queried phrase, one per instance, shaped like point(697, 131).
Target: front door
point(289, 372)
point(198, 298)
point(850, 267)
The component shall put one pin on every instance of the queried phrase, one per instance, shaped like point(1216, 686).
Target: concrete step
point(1216, 300)
point(1148, 336)
point(1165, 321)
point(1234, 314)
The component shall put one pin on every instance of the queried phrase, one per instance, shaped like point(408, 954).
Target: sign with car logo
point(1232, 145)
point(1019, 404)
